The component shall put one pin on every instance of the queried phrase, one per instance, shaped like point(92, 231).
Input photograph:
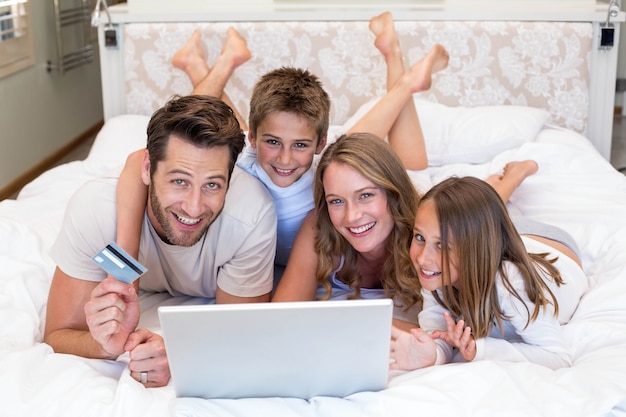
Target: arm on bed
point(540, 341)
point(131, 197)
point(299, 281)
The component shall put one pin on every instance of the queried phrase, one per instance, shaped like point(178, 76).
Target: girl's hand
point(412, 350)
point(458, 336)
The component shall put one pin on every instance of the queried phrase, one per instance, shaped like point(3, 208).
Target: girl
point(488, 292)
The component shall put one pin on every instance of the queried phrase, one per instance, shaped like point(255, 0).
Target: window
point(16, 44)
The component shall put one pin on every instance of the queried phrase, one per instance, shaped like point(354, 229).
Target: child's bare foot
point(386, 37)
point(513, 175)
point(520, 169)
point(191, 59)
point(234, 53)
point(421, 72)
point(515, 171)
point(235, 49)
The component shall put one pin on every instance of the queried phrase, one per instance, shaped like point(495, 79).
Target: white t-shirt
point(236, 254)
point(292, 202)
point(542, 340)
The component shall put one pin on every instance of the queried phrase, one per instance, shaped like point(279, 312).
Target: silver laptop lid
point(295, 349)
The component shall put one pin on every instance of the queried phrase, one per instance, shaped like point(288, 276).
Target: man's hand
point(147, 355)
point(412, 350)
point(458, 336)
point(112, 314)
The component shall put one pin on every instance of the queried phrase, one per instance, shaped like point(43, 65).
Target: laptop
point(292, 349)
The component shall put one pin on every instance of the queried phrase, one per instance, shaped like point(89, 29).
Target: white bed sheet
point(575, 189)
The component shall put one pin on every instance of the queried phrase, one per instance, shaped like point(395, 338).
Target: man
point(209, 231)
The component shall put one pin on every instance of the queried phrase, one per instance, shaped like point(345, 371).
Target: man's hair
point(294, 91)
point(205, 122)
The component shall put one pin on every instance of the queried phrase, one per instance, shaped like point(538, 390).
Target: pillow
point(470, 134)
point(119, 136)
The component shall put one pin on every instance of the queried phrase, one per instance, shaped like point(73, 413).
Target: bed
point(484, 110)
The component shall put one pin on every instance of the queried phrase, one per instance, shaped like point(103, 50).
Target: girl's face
point(357, 208)
point(426, 248)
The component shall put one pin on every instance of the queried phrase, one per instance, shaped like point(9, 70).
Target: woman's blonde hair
point(475, 225)
point(375, 160)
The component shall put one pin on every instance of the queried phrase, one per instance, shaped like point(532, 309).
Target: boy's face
point(285, 145)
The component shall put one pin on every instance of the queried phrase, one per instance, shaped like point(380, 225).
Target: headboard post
point(603, 69)
point(112, 74)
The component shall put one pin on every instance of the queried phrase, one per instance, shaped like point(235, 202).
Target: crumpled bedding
point(575, 189)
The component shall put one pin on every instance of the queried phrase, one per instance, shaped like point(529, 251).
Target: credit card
point(119, 264)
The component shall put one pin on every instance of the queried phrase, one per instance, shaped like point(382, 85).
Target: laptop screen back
point(296, 349)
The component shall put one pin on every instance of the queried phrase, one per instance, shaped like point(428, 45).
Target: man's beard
point(164, 219)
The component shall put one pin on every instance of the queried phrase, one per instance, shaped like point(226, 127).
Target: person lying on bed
point(289, 121)
point(488, 292)
point(209, 230)
point(301, 277)
point(356, 241)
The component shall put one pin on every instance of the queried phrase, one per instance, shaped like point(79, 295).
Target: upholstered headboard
point(537, 64)
point(556, 65)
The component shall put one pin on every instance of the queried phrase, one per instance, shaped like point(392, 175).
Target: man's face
point(285, 145)
point(187, 191)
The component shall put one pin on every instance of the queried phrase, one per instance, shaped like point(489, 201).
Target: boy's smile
point(285, 145)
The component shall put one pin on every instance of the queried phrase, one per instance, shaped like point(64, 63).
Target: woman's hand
point(412, 350)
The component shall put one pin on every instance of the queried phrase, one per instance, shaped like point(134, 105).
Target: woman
point(356, 241)
point(488, 292)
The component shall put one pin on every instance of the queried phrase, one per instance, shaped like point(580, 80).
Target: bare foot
point(386, 37)
point(420, 74)
point(235, 49)
point(191, 59)
point(514, 174)
point(521, 169)
point(516, 171)
point(234, 53)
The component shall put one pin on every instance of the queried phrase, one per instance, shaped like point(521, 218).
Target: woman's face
point(426, 248)
point(357, 208)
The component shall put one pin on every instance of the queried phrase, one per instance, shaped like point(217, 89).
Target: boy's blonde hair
point(290, 90)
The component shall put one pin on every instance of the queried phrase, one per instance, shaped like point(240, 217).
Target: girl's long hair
point(374, 159)
point(475, 225)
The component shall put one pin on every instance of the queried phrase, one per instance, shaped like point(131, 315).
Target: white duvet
point(575, 189)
